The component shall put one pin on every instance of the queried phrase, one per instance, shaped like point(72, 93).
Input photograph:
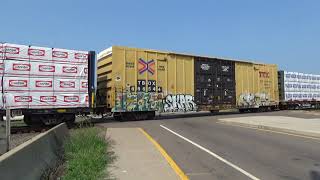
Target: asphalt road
point(206, 150)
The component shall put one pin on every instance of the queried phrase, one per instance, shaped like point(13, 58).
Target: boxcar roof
point(108, 52)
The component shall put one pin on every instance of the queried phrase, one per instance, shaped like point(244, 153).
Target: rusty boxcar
point(135, 83)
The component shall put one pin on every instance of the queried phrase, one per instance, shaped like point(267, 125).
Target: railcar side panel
point(146, 80)
point(256, 85)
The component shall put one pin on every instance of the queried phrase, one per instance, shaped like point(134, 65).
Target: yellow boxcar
point(132, 79)
point(256, 85)
point(141, 80)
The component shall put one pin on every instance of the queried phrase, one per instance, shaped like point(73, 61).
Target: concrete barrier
point(32, 158)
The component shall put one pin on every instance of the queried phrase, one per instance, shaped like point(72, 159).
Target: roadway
point(206, 149)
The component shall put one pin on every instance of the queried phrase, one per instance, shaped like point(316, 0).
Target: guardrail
point(32, 158)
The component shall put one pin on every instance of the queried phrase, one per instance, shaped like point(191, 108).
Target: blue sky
point(286, 32)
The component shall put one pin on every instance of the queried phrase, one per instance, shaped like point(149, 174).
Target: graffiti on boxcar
point(131, 102)
point(138, 101)
point(180, 102)
point(149, 101)
point(155, 101)
point(119, 99)
point(143, 101)
point(254, 100)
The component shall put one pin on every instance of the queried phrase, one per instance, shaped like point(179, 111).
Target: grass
point(87, 155)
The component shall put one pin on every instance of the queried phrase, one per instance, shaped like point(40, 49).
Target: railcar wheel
point(69, 119)
point(32, 120)
point(118, 116)
point(214, 111)
point(27, 120)
point(151, 115)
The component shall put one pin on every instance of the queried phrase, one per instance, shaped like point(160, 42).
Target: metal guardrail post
point(8, 128)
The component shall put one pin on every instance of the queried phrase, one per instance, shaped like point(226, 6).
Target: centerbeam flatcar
point(299, 90)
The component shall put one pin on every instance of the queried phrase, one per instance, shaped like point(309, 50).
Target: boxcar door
point(204, 77)
point(224, 83)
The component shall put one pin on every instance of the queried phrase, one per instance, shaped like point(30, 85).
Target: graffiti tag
point(254, 100)
point(181, 102)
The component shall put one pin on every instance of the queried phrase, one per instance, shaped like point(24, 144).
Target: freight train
point(49, 85)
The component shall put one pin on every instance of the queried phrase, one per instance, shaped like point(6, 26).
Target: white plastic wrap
point(15, 51)
point(314, 79)
point(34, 53)
point(41, 78)
point(39, 69)
point(66, 85)
point(1, 101)
point(64, 55)
point(318, 79)
point(71, 85)
point(65, 70)
point(83, 85)
point(21, 84)
point(1, 67)
point(17, 100)
point(1, 58)
point(294, 77)
point(41, 100)
point(32, 84)
point(301, 86)
point(302, 96)
point(1, 52)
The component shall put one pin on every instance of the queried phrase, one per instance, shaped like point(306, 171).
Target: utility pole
point(8, 128)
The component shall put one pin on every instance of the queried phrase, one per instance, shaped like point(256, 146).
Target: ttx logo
point(146, 66)
point(264, 74)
